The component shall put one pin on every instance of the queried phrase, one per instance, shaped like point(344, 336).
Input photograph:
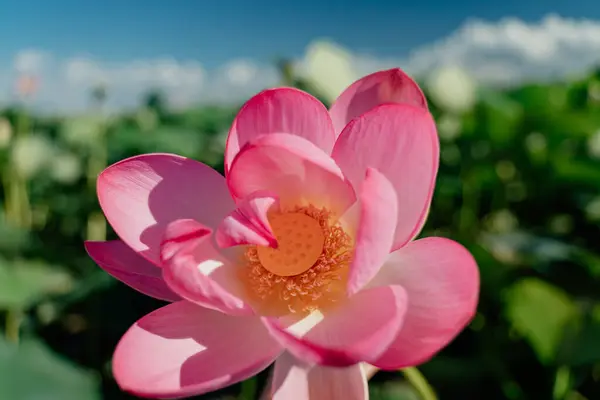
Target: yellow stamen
point(307, 271)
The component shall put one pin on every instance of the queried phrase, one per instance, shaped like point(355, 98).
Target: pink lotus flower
point(303, 254)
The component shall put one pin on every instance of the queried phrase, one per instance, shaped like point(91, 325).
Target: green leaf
point(13, 239)
point(582, 347)
point(169, 139)
point(539, 311)
point(500, 117)
point(32, 372)
point(24, 282)
point(578, 171)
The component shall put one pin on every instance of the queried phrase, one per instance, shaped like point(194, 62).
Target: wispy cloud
point(509, 51)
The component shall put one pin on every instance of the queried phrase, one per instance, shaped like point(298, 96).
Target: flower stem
point(13, 325)
point(419, 383)
point(96, 223)
point(470, 205)
point(17, 205)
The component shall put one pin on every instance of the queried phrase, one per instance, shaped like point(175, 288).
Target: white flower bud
point(329, 68)
point(451, 89)
point(30, 154)
point(65, 168)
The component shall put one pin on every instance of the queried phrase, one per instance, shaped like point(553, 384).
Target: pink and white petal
point(142, 194)
point(280, 110)
point(249, 223)
point(293, 168)
point(294, 379)
point(197, 271)
point(124, 264)
point(359, 330)
point(183, 350)
point(390, 86)
point(442, 282)
point(376, 227)
point(401, 141)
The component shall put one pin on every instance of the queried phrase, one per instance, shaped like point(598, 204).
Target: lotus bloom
point(302, 255)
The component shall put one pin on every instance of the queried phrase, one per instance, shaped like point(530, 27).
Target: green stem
point(470, 205)
point(17, 205)
point(9, 206)
point(24, 203)
point(13, 325)
point(16, 200)
point(419, 383)
point(96, 223)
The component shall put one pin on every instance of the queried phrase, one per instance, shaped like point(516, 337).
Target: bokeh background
point(515, 90)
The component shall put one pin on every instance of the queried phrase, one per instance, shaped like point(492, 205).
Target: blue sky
point(223, 50)
point(214, 31)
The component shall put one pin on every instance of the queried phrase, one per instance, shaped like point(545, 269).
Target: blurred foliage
point(519, 185)
point(35, 372)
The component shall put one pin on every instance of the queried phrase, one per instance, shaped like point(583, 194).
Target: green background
point(519, 185)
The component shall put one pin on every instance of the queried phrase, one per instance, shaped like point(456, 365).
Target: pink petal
point(183, 350)
point(281, 110)
point(391, 86)
point(375, 234)
point(442, 282)
point(142, 194)
point(294, 169)
point(293, 379)
point(249, 223)
point(402, 143)
point(198, 272)
point(359, 330)
point(130, 268)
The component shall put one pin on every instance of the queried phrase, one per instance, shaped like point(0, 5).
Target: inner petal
point(300, 241)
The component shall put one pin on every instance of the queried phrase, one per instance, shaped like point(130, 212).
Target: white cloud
point(182, 82)
point(240, 72)
point(508, 51)
point(65, 85)
point(512, 51)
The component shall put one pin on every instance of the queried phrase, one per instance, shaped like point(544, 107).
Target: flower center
point(300, 243)
point(308, 269)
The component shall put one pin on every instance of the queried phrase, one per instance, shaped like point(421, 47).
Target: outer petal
point(184, 350)
point(198, 272)
point(402, 143)
point(442, 282)
point(375, 234)
point(391, 86)
point(293, 168)
point(282, 110)
point(249, 223)
point(142, 194)
point(359, 330)
point(293, 379)
point(130, 268)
